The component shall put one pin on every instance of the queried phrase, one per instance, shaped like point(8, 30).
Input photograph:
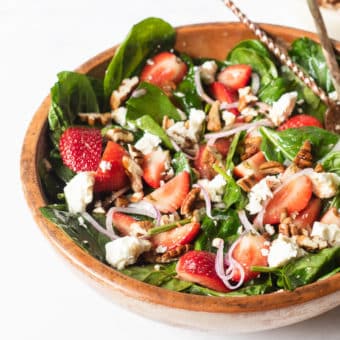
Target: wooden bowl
point(217, 314)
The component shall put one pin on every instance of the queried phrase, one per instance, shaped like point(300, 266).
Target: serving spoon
point(332, 115)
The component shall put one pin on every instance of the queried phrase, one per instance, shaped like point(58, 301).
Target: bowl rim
point(110, 278)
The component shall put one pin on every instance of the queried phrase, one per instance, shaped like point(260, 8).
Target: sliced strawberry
point(163, 70)
point(199, 267)
point(224, 94)
point(169, 197)
point(204, 161)
point(111, 174)
point(293, 197)
point(250, 165)
point(222, 145)
point(80, 148)
point(176, 237)
point(332, 216)
point(251, 250)
point(300, 121)
point(154, 167)
point(123, 223)
point(235, 76)
point(307, 216)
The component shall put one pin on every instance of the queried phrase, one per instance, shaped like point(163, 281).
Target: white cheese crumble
point(208, 71)
point(282, 250)
point(79, 191)
point(328, 232)
point(148, 143)
point(229, 118)
point(125, 251)
point(214, 188)
point(282, 108)
point(246, 95)
point(325, 184)
point(249, 112)
point(260, 192)
point(269, 229)
point(119, 115)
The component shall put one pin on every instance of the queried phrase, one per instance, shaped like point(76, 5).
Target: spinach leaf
point(176, 285)
point(180, 163)
point(256, 46)
point(186, 93)
point(81, 232)
point(71, 94)
point(63, 172)
point(309, 55)
point(224, 225)
point(331, 162)
point(274, 90)
point(154, 103)
point(333, 272)
point(145, 38)
point(229, 165)
point(146, 123)
point(279, 145)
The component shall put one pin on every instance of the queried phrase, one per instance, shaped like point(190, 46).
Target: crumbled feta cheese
point(333, 95)
point(119, 115)
point(79, 191)
point(282, 250)
point(228, 117)
point(282, 108)
point(325, 184)
point(125, 251)
point(161, 249)
point(208, 70)
point(260, 192)
point(246, 95)
point(249, 112)
point(196, 119)
point(327, 232)
point(214, 188)
point(148, 143)
point(269, 229)
point(264, 251)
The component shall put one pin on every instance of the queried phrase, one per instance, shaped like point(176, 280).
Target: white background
point(40, 297)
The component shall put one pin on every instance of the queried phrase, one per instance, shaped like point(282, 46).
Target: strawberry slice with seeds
point(251, 250)
point(111, 174)
point(199, 267)
point(154, 165)
point(179, 236)
point(80, 148)
point(163, 70)
point(292, 197)
point(307, 216)
point(332, 216)
point(250, 165)
point(224, 94)
point(300, 121)
point(169, 197)
point(123, 223)
point(235, 76)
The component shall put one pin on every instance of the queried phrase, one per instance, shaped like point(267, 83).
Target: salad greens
point(221, 204)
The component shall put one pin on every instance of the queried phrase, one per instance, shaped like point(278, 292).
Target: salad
point(204, 176)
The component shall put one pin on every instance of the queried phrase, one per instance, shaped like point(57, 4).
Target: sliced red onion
point(178, 149)
point(199, 87)
point(119, 193)
point(213, 136)
point(255, 83)
point(228, 106)
point(206, 199)
point(109, 233)
point(245, 222)
point(263, 107)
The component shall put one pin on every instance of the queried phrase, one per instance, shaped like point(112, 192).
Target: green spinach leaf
point(180, 163)
point(331, 162)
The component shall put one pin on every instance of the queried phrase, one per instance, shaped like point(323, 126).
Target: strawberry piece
point(235, 76)
point(224, 94)
point(332, 216)
point(250, 165)
point(110, 175)
point(181, 235)
point(123, 223)
point(154, 167)
point(80, 148)
point(300, 121)
point(169, 197)
point(307, 216)
point(251, 250)
point(293, 197)
point(204, 161)
point(222, 145)
point(199, 267)
point(163, 70)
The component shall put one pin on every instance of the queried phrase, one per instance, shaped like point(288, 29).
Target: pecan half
point(188, 204)
point(120, 95)
point(271, 168)
point(169, 256)
point(246, 97)
point(304, 158)
point(134, 172)
point(93, 118)
point(251, 147)
point(311, 243)
point(247, 182)
point(119, 135)
point(214, 119)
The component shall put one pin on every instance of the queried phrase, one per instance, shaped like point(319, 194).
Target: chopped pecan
point(166, 219)
point(119, 135)
point(208, 158)
point(189, 202)
point(136, 197)
point(319, 168)
point(92, 118)
point(247, 182)
point(134, 172)
point(214, 119)
point(246, 97)
point(311, 243)
point(271, 168)
point(286, 225)
point(251, 147)
point(167, 122)
point(169, 256)
point(121, 202)
point(140, 228)
point(304, 158)
point(120, 95)
point(136, 155)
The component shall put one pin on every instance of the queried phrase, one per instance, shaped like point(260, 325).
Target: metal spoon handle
point(326, 44)
point(278, 52)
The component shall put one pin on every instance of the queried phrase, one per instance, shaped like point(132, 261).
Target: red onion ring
point(109, 233)
point(199, 87)
point(206, 199)
point(178, 149)
point(228, 106)
point(245, 222)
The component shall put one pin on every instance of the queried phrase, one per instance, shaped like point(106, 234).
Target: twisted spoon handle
point(278, 52)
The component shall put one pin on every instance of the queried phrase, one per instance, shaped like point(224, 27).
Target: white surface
point(40, 297)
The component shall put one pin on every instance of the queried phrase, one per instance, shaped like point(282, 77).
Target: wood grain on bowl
point(222, 315)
